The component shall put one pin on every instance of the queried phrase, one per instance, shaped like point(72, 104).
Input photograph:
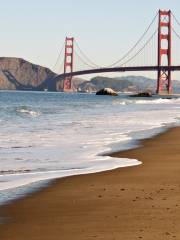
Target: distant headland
point(19, 74)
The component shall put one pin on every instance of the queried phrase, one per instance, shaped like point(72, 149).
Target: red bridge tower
point(164, 52)
point(68, 63)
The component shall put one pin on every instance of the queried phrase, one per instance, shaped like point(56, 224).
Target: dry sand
point(141, 202)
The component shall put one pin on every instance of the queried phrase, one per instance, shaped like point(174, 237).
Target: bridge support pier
point(68, 63)
point(164, 84)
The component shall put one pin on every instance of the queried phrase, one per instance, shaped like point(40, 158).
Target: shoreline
point(39, 185)
point(125, 203)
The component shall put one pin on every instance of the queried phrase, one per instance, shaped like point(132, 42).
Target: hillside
point(18, 74)
point(124, 84)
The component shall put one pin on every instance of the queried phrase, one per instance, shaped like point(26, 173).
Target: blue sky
point(105, 29)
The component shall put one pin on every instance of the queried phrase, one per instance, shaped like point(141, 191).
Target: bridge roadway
point(117, 69)
point(52, 82)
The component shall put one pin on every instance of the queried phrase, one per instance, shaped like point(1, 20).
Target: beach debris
point(107, 91)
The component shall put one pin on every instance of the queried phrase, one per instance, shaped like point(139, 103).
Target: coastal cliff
point(18, 74)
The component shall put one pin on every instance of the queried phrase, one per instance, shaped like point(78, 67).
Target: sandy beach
point(141, 202)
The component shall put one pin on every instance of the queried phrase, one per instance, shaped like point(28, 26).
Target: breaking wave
point(149, 101)
point(26, 111)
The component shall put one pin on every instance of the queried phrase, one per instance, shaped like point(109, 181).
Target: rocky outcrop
point(142, 94)
point(18, 74)
point(107, 91)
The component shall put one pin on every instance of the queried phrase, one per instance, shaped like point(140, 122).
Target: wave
point(15, 179)
point(149, 101)
point(11, 172)
point(154, 101)
point(26, 111)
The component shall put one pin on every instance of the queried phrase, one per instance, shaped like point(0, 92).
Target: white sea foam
point(28, 112)
point(146, 101)
point(156, 101)
point(71, 133)
point(10, 181)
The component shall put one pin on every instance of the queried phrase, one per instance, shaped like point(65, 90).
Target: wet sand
point(141, 202)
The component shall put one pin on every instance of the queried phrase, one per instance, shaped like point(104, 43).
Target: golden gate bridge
point(152, 52)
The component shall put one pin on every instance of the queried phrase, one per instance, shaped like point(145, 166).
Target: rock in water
point(107, 91)
point(142, 94)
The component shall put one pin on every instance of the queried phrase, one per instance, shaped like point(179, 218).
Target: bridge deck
point(117, 69)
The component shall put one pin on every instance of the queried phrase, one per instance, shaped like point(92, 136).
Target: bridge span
point(152, 52)
point(116, 69)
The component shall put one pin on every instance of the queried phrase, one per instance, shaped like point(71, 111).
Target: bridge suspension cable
point(140, 50)
point(178, 23)
point(83, 61)
point(176, 38)
point(176, 47)
point(177, 34)
point(175, 18)
point(135, 45)
point(89, 61)
point(59, 57)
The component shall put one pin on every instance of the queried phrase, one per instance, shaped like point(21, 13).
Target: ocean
point(44, 135)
